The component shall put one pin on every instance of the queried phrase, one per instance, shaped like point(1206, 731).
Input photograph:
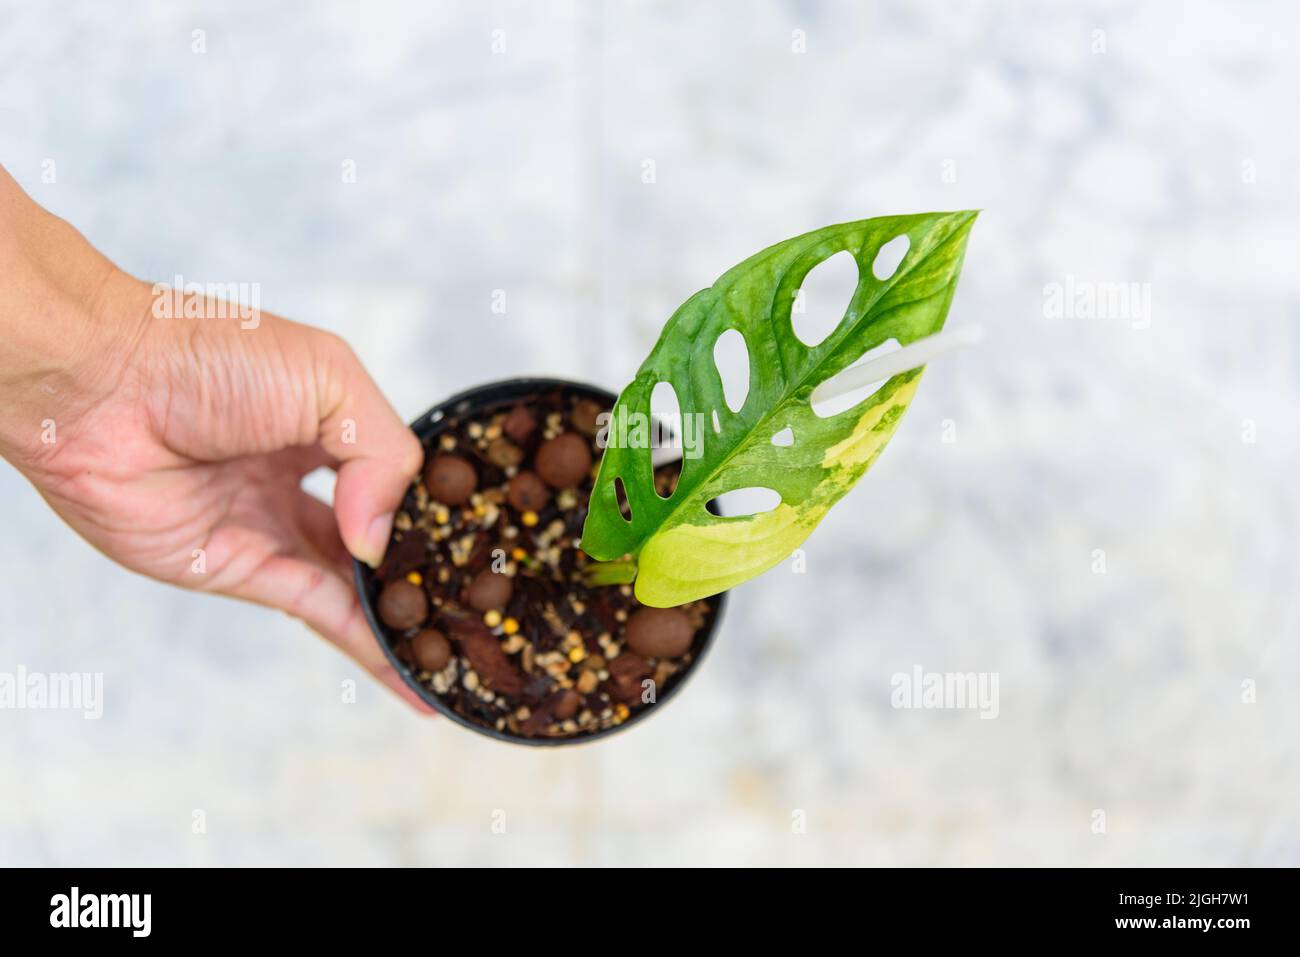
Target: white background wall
point(522, 171)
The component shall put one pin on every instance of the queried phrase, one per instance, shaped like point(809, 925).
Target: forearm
point(68, 320)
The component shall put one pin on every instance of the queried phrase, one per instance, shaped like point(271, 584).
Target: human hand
point(176, 446)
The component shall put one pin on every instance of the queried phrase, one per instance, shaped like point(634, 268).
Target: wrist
point(69, 323)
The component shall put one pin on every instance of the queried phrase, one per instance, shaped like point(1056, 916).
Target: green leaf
point(683, 551)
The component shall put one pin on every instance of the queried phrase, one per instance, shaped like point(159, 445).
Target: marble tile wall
point(1151, 144)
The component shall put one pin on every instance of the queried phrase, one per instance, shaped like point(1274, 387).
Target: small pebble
point(564, 461)
point(450, 479)
point(528, 493)
point(403, 605)
point(659, 632)
point(431, 650)
point(489, 590)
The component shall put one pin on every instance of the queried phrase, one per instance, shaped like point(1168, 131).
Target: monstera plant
point(677, 549)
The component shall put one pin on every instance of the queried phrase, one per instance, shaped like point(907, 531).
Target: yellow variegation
point(684, 552)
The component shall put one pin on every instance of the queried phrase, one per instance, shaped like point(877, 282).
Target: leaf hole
point(666, 478)
point(889, 257)
point(666, 427)
point(823, 299)
point(620, 492)
point(731, 356)
point(825, 408)
point(665, 414)
point(717, 423)
point(740, 502)
point(784, 439)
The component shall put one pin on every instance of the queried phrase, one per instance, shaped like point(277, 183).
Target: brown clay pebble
point(503, 453)
point(450, 479)
point(403, 605)
point(585, 416)
point(659, 632)
point(483, 652)
point(567, 704)
point(490, 590)
point(563, 462)
point(519, 424)
point(527, 492)
point(431, 650)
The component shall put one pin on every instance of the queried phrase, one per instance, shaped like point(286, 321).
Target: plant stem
point(621, 572)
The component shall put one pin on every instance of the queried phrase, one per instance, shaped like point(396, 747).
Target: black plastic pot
point(427, 428)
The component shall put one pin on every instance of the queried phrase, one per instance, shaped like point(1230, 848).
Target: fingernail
point(377, 540)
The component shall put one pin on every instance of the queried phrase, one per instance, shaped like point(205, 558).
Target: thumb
point(378, 454)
